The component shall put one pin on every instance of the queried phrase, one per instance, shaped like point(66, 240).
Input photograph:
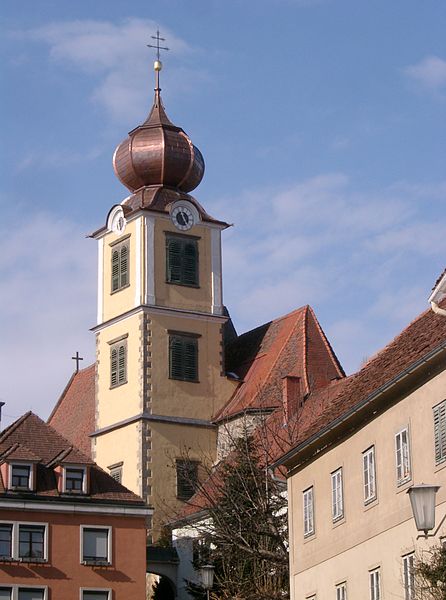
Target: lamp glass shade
point(207, 576)
point(422, 499)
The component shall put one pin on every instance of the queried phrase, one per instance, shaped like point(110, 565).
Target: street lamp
point(207, 577)
point(422, 499)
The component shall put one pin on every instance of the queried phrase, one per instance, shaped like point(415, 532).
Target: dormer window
point(20, 477)
point(75, 480)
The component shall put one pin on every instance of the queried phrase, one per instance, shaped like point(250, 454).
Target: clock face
point(182, 217)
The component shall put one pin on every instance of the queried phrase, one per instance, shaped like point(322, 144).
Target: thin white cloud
point(325, 242)
point(115, 54)
point(47, 303)
point(430, 73)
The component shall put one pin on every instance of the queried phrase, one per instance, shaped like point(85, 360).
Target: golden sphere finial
point(157, 65)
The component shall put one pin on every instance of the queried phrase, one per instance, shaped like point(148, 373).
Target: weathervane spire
point(157, 65)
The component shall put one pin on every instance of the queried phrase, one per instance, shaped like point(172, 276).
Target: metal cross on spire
point(157, 65)
point(77, 358)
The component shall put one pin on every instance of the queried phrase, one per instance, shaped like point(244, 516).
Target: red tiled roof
point(35, 438)
point(19, 452)
point(424, 335)
point(290, 345)
point(73, 415)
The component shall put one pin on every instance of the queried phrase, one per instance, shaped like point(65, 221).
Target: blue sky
point(322, 124)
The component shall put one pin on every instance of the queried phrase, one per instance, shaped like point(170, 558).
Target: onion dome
point(158, 153)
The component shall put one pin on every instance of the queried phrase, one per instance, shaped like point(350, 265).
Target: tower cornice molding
point(160, 310)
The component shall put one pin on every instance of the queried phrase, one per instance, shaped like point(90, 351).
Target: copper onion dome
point(158, 153)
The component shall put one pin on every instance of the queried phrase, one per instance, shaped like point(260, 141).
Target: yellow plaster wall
point(374, 535)
point(179, 296)
point(122, 445)
point(122, 300)
point(123, 401)
point(171, 442)
point(184, 398)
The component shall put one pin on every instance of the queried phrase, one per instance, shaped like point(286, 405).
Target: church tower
point(159, 334)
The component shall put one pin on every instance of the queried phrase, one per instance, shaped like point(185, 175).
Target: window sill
point(368, 504)
point(120, 289)
point(185, 380)
point(338, 521)
point(439, 466)
point(113, 387)
point(189, 285)
point(96, 563)
point(308, 537)
point(35, 560)
point(403, 485)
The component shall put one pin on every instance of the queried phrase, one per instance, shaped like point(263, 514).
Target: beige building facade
point(352, 531)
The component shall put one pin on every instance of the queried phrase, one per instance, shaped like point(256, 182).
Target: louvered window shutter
point(176, 358)
point(190, 360)
point(113, 367)
point(190, 263)
point(124, 265)
point(174, 260)
point(122, 366)
point(440, 432)
point(115, 270)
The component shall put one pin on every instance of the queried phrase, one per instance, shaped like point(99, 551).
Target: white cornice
point(71, 507)
point(161, 310)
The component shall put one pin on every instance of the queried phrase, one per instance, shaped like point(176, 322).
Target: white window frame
point(64, 478)
point(108, 528)
point(341, 591)
point(31, 475)
point(15, 589)
point(15, 541)
point(402, 457)
point(375, 584)
point(369, 474)
point(84, 589)
point(337, 495)
point(308, 511)
point(408, 576)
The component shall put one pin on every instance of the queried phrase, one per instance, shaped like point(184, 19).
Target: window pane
point(74, 480)
point(5, 541)
point(31, 594)
point(5, 593)
point(94, 595)
point(20, 476)
point(95, 544)
point(31, 539)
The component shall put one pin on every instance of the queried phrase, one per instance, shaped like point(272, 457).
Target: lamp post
point(422, 500)
point(207, 577)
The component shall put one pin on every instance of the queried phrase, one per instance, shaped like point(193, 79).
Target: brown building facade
point(67, 529)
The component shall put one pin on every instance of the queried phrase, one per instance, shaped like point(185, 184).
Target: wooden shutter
point(176, 357)
point(115, 270)
point(190, 351)
point(174, 247)
point(187, 478)
point(124, 265)
point(440, 432)
point(113, 367)
point(122, 363)
point(190, 263)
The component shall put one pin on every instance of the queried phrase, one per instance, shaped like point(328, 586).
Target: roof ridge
point(276, 320)
point(6, 432)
